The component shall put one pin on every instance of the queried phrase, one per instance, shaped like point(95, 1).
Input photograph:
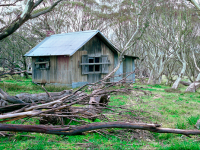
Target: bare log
point(94, 126)
point(3, 103)
point(185, 83)
point(29, 113)
point(193, 87)
point(28, 98)
point(11, 99)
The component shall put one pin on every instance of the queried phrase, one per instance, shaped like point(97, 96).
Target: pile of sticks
point(73, 105)
point(60, 107)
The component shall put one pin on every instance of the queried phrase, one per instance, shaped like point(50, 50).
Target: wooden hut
point(76, 58)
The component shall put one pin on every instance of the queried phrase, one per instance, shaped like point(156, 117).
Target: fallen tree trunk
point(3, 103)
point(10, 99)
point(94, 126)
point(193, 87)
point(185, 83)
point(28, 98)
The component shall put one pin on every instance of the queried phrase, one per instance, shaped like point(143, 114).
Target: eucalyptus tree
point(171, 70)
point(183, 38)
point(130, 24)
point(15, 14)
point(196, 84)
point(14, 47)
point(156, 45)
point(192, 71)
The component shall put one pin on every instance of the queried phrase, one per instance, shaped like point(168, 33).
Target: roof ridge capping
point(77, 32)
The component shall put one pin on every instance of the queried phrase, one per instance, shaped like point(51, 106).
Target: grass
point(26, 85)
point(171, 109)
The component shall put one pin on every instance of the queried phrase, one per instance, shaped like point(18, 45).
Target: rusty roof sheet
point(67, 43)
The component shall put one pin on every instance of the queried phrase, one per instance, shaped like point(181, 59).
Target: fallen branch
point(94, 126)
point(29, 113)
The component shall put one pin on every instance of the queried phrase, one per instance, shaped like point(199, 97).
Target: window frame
point(86, 63)
point(94, 64)
point(42, 63)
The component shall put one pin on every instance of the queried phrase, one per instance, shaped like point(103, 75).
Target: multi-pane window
point(42, 63)
point(94, 64)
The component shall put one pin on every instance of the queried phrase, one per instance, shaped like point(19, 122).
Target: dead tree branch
point(94, 126)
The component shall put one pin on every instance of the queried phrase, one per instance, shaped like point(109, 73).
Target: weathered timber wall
point(95, 48)
point(76, 68)
point(128, 67)
point(59, 71)
point(66, 70)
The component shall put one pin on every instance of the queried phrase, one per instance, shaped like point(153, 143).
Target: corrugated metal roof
point(67, 43)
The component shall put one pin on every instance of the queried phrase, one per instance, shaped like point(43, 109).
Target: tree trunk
point(198, 78)
point(150, 77)
point(193, 87)
point(25, 67)
point(154, 78)
point(176, 83)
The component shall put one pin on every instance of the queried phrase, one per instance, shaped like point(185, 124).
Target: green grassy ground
point(172, 110)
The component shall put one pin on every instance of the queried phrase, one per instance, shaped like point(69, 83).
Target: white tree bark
point(176, 83)
point(157, 67)
point(195, 3)
point(198, 78)
point(193, 87)
point(120, 57)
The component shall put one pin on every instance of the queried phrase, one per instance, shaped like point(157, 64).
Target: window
point(94, 65)
point(42, 63)
point(91, 65)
